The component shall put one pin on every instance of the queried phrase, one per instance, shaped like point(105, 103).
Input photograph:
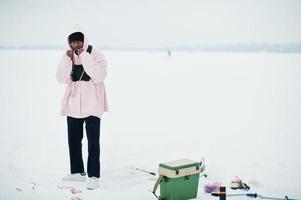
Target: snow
point(241, 111)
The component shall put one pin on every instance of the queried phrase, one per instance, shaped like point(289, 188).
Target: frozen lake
point(241, 111)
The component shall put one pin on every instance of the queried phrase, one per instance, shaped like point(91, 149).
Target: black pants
point(75, 136)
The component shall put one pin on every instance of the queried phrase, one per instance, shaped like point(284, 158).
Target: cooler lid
point(179, 164)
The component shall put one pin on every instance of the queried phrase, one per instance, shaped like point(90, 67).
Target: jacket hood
point(78, 28)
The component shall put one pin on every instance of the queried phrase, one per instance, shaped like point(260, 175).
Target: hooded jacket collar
point(78, 28)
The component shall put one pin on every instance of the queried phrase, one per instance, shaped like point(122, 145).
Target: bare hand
point(70, 53)
point(79, 51)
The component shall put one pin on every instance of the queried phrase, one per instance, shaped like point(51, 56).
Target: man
point(83, 69)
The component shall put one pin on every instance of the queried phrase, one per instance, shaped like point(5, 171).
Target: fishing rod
point(142, 170)
point(253, 195)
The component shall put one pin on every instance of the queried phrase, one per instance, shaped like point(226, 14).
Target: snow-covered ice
point(241, 111)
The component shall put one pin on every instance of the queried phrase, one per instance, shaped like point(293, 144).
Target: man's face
point(75, 45)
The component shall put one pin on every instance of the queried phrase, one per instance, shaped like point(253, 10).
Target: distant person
point(169, 53)
point(83, 69)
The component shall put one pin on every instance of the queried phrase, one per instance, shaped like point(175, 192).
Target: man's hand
point(79, 51)
point(70, 53)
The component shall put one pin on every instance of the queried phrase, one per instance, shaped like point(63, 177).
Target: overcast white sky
point(151, 22)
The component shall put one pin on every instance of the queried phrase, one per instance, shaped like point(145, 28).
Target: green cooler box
point(178, 179)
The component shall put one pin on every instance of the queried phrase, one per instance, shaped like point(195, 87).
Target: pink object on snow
point(212, 187)
point(73, 190)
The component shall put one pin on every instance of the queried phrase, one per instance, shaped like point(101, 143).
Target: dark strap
point(89, 49)
point(78, 73)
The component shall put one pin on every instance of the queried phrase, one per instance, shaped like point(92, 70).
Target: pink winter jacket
point(84, 98)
